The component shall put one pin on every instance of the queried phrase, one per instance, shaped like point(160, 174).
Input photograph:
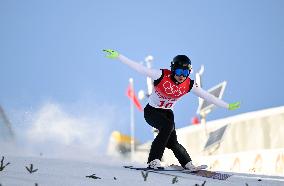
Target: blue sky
point(51, 53)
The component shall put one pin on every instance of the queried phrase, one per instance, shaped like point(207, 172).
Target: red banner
point(131, 94)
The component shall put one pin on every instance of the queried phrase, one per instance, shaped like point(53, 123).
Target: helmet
point(180, 61)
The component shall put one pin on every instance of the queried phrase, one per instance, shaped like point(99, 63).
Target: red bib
point(168, 88)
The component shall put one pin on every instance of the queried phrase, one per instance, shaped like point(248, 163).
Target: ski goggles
point(182, 72)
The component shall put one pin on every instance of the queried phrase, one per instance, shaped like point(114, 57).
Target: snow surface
point(66, 172)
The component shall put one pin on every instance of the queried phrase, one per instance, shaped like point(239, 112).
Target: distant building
point(120, 144)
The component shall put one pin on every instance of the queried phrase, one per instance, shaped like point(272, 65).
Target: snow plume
point(67, 131)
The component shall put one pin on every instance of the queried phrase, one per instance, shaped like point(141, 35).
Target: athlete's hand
point(233, 106)
point(112, 54)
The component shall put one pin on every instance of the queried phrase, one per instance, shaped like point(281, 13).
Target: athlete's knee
point(172, 144)
point(168, 127)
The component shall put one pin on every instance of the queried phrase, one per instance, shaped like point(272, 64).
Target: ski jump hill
point(39, 171)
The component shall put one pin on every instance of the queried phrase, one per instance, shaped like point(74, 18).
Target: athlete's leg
point(178, 150)
point(161, 120)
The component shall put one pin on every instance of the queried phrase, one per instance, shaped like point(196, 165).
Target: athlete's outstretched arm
point(152, 73)
point(212, 99)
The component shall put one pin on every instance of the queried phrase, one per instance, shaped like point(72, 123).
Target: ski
point(150, 169)
point(173, 168)
point(157, 171)
point(177, 169)
point(210, 174)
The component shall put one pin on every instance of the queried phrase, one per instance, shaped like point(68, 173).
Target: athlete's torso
point(167, 92)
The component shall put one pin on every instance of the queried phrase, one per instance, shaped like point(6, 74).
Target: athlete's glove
point(233, 106)
point(112, 54)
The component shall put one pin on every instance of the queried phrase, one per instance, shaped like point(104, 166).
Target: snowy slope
point(58, 172)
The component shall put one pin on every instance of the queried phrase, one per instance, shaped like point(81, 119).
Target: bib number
point(165, 104)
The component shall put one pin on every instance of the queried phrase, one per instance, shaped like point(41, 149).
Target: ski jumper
point(158, 112)
point(159, 115)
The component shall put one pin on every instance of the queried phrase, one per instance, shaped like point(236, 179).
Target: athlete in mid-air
point(169, 87)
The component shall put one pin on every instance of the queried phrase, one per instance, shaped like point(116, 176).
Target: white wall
point(253, 142)
point(250, 138)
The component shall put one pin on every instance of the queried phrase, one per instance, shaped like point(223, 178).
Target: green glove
point(112, 54)
point(233, 106)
